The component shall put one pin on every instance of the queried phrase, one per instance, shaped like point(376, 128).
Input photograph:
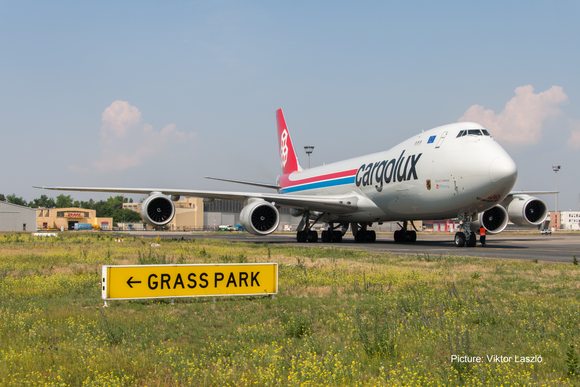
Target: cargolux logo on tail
point(283, 148)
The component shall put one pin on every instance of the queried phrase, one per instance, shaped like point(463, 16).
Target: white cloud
point(118, 119)
point(127, 142)
point(521, 121)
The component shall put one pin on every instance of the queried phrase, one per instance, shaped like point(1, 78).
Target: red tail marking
point(288, 158)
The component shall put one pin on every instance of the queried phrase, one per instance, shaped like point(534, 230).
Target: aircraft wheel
point(312, 236)
point(326, 236)
point(472, 240)
point(371, 236)
point(459, 239)
point(337, 236)
point(411, 236)
point(399, 236)
point(361, 236)
point(301, 236)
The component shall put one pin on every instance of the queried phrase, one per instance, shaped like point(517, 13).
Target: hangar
point(227, 212)
point(17, 218)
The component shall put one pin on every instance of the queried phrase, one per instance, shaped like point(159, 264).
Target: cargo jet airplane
point(452, 171)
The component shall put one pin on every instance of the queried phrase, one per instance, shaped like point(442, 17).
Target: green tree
point(15, 200)
point(127, 216)
point(43, 201)
point(2, 197)
point(113, 208)
point(90, 204)
point(63, 201)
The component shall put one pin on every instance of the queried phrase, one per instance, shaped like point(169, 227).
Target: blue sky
point(188, 89)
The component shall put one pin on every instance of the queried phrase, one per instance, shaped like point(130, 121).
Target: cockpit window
point(473, 132)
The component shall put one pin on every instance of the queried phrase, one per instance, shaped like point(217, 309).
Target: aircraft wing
point(338, 204)
point(533, 192)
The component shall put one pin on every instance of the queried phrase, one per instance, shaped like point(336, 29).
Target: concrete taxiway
point(559, 247)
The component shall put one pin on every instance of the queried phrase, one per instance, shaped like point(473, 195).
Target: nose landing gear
point(465, 237)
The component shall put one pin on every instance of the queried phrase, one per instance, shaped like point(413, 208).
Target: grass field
point(342, 318)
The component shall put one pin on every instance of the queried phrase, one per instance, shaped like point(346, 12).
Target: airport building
point(17, 218)
point(67, 218)
point(566, 220)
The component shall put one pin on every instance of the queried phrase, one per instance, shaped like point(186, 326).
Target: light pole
point(308, 149)
point(556, 168)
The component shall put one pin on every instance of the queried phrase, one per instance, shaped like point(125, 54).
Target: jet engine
point(525, 210)
point(493, 220)
point(260, 217)
point(157, 209)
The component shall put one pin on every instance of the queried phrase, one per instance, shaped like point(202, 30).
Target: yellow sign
point(168, 281)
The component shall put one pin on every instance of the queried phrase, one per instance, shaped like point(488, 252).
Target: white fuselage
point(433, 175)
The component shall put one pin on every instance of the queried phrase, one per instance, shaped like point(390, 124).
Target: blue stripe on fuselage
point(320, 184)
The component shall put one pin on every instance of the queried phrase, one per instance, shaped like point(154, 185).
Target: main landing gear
point(306, 234)
point(465, 237)
point(361, 234)
point(333, 234)
point(404, 235)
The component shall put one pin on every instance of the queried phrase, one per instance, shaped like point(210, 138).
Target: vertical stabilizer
point(288, 158)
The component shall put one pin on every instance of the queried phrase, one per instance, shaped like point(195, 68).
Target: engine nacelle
point(493, 220)
point(525, 210)
point(157, 209)
point(260, 218)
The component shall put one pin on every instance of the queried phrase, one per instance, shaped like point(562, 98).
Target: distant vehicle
point(229, 227)
point(546, 231)
point(239, 227)
point(83, 226)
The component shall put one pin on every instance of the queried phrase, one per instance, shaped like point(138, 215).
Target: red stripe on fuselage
point(284, 180)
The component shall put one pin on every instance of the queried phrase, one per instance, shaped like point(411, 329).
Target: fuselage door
point(441, 140)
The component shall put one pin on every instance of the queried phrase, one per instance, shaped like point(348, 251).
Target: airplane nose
point(503, 169)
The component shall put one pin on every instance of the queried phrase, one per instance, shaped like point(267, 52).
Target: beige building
point(66, 218)
point(188, 213)
point(565, 221)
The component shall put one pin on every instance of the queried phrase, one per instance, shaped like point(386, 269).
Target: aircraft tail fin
point(288, 158)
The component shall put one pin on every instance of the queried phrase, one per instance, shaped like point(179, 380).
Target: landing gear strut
point(305, 232)
point(404, 235)
point(465, 236)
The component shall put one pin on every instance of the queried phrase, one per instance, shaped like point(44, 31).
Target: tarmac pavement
point(558, 247)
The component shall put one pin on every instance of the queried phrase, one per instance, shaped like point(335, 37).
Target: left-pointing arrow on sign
point(129, 282)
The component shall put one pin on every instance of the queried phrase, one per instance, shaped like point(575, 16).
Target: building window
point(40, 214)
